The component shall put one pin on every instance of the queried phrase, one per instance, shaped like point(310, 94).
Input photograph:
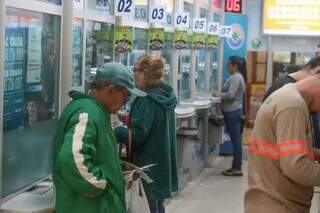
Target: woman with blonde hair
point(153, 130)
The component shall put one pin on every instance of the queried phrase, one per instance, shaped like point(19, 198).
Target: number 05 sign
point(123, 7)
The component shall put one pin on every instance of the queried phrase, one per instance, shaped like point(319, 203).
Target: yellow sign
point(291, 17)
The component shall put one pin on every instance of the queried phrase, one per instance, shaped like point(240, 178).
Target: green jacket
point(87, 173)
point(154, 139)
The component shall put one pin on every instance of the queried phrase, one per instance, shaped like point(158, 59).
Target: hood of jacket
point(163, 94)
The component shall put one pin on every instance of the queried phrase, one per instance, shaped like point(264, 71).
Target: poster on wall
point(291, 17)
point(33, 81)
point(14, 77)
point(181, 40)
point(156, 39)
point(212, 41)
point(236, 44)
point(198, 41)
point(123, 39)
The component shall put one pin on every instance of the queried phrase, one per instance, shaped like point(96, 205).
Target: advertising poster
point(181, 40)
point(156, 39)
point(34, 60)
point(291, 17)
point(198, 41)
point(236, 44)
point(14, 77)
point(123, 39)
point(212, 41)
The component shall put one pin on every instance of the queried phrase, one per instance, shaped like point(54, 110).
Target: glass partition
point(167, 53)
point(184, 69)
point(31, 79)
point(141, 10)
point(105, 6)
point(187, 7)
point(170, 5)
point(58, 2)
point(77, 40)
point(99, 48)
point(213, 83)
point(200, 70)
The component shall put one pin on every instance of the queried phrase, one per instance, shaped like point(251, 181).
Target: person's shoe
point(232, 172)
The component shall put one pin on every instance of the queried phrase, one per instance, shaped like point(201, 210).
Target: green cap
point(119, 75)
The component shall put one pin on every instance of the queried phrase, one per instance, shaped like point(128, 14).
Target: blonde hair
point(152, 67)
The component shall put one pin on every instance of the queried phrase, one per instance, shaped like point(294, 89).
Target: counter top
point(184, 111)
point(197, 103)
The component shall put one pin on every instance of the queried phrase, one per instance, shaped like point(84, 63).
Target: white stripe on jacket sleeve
point(78, 156)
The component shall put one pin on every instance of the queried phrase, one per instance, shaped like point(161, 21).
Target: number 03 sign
point(157, 14)
point(123, 7)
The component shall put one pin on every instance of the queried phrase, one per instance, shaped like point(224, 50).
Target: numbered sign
point(123, 7)
point(182, 20)
point(225, 31)
point(200, 25)
point(213, 28)
point(157, 14)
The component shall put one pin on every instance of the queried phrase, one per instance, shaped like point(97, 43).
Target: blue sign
point(14, 77)
point(237, 43)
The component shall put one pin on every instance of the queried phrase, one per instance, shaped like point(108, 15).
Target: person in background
point(153, 130)
point(310, 69)
point(232, 103)
point(281, 167)
point(87, 172)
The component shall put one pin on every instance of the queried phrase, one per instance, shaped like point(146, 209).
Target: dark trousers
point(233, 122)
point(156, 206)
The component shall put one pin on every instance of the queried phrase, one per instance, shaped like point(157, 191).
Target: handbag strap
point(129, 150)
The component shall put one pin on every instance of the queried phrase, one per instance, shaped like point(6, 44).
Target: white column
point(2, 46)
point(66, 54)
point(194, 53)
point(178, 7)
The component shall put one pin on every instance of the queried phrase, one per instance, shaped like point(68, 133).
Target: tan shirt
point(282, 170)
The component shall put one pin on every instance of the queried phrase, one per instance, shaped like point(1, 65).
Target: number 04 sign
point(123, 7)
point(182, 20)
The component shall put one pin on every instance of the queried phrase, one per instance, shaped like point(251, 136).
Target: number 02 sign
point(123, 7)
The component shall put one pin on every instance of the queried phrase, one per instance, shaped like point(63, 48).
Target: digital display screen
point(291, 17)
point(233, 6)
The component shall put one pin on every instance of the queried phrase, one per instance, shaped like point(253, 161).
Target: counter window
point(32, 42)
point(99, 48)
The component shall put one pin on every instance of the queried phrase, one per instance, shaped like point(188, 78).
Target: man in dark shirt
point(311, 68)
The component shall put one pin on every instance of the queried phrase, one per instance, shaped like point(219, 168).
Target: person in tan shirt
point(282, 171)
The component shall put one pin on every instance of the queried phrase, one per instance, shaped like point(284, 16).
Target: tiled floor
point(211, 192)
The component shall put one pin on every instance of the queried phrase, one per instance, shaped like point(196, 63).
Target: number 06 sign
point(123, 7)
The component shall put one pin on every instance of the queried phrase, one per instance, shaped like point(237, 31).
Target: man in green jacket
point(87, 171)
